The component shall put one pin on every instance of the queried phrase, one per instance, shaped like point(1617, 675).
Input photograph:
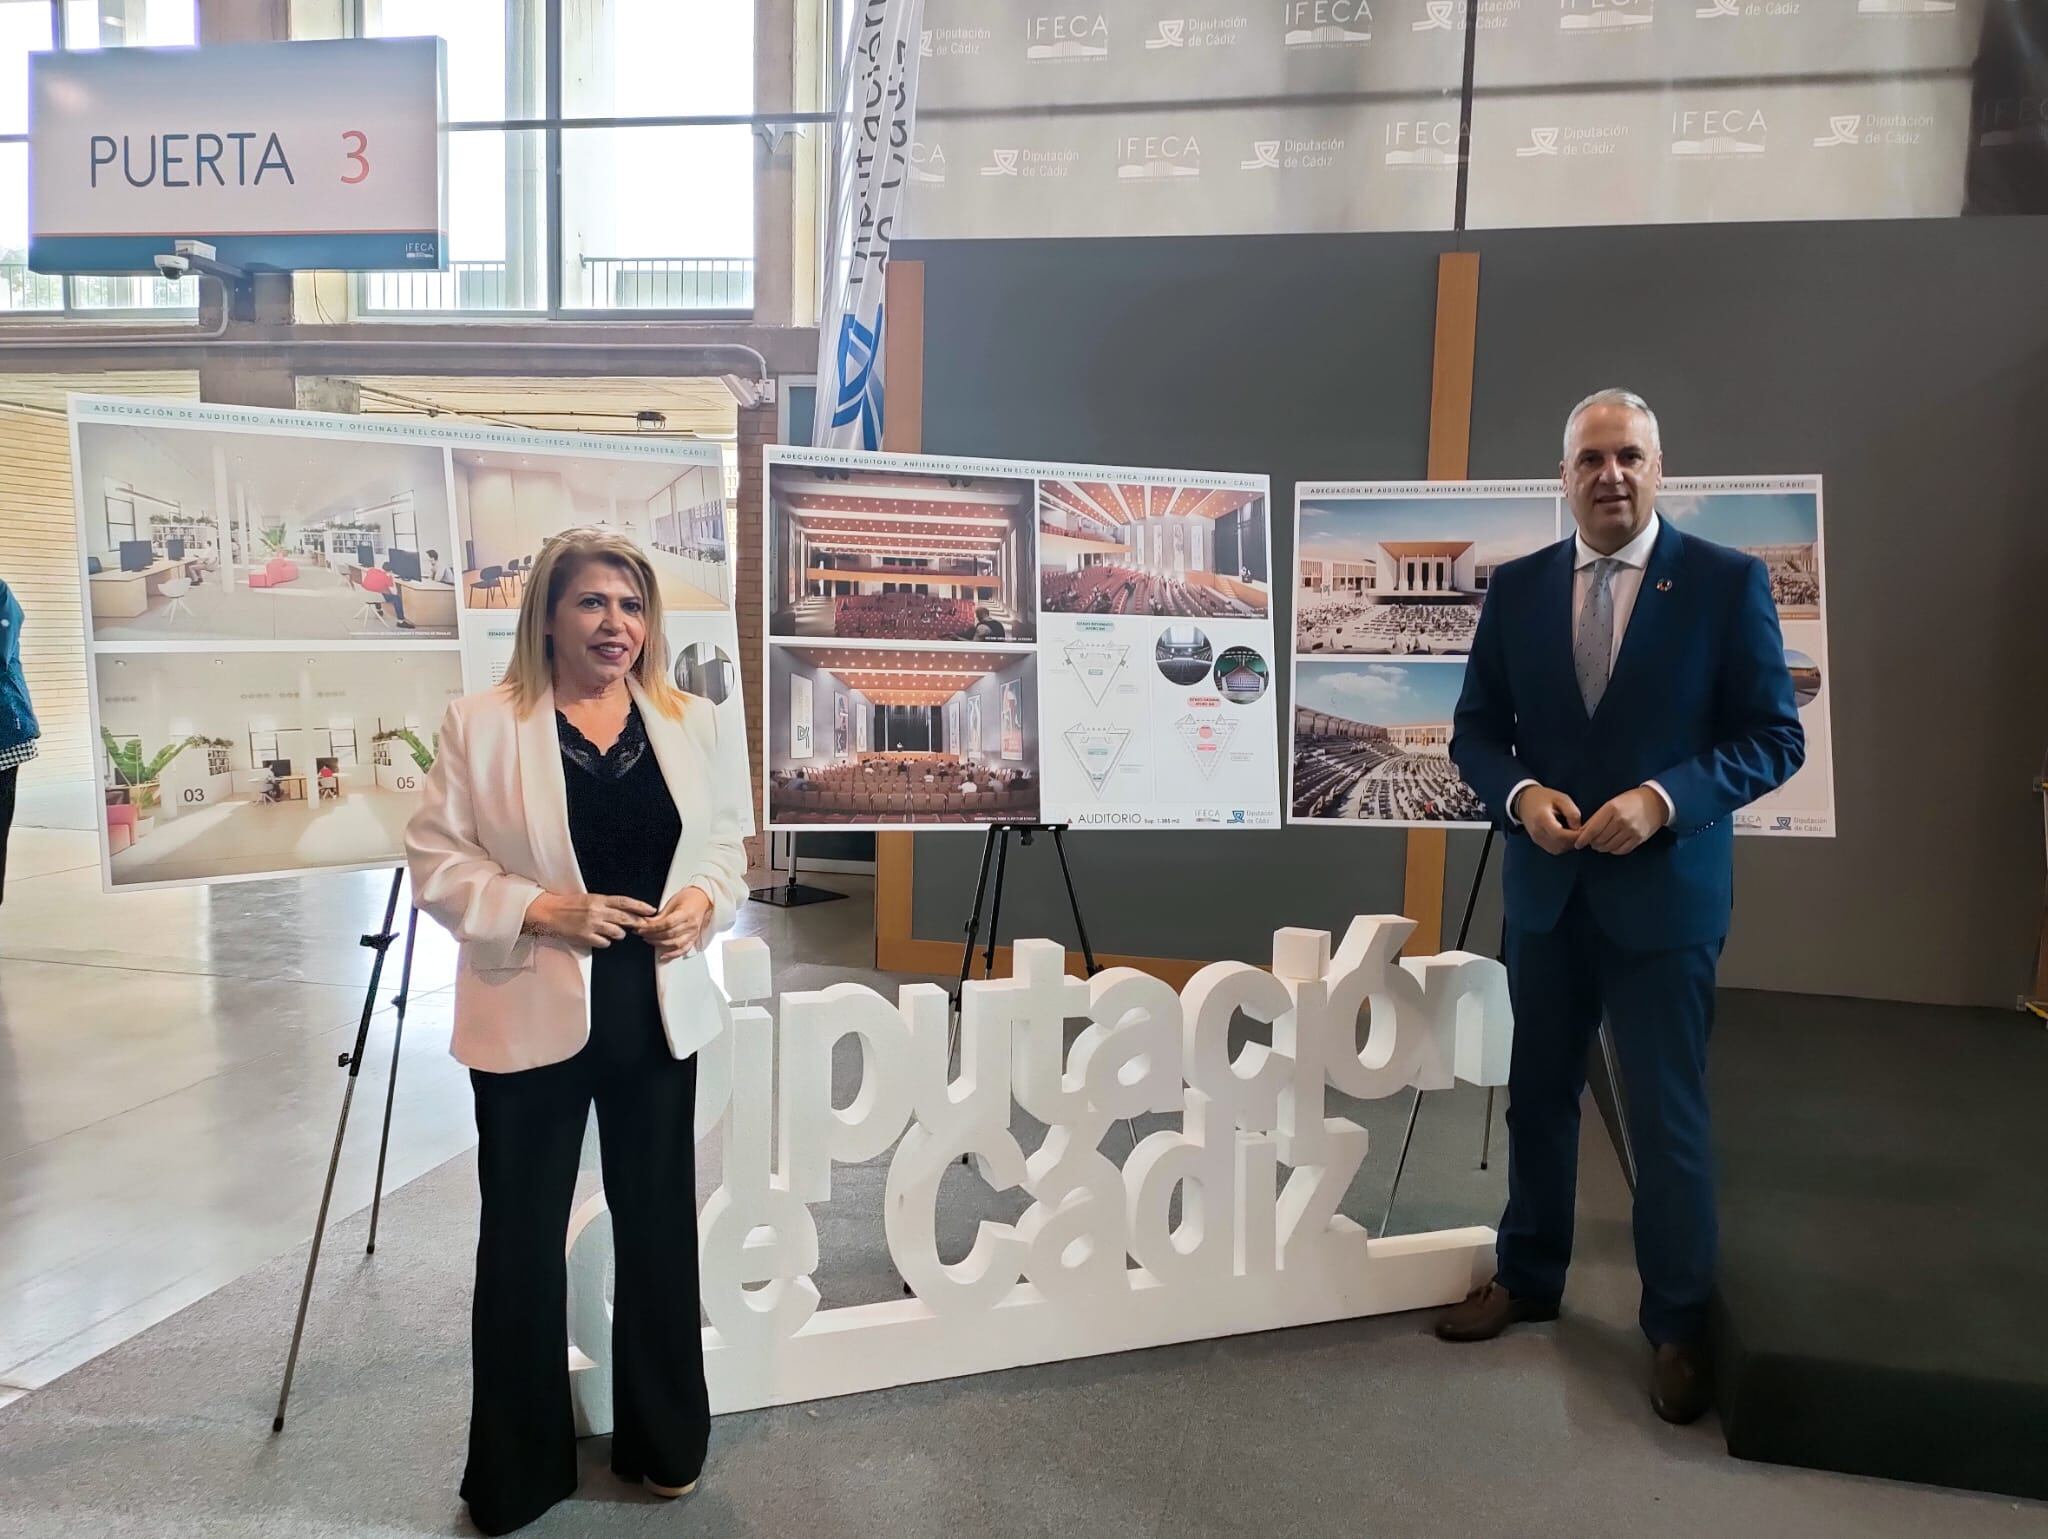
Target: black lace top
point(624, 826)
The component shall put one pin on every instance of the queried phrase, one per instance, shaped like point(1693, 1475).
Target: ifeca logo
point(1423, 143)
point(927, 162)
point(1158, 158)
point(1588, 18)
point(1846, 129)
point(1265, 157)
point(1070, 38)
point(1719, 133)
point(1327, 23)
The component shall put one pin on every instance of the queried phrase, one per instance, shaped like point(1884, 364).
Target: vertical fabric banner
point(877, 112)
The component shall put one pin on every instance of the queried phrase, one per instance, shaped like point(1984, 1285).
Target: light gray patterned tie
point(1593, 647)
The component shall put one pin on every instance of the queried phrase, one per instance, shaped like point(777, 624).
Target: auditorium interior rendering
point(192, 534)
point(1132, 549)
point(289, 760)
point(509, 503)
point(875, 736)
point(899, 556)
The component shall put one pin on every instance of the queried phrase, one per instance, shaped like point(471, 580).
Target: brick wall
point(756, 427)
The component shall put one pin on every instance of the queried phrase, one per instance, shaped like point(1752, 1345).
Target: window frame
point(552, 125)
point(71, 309)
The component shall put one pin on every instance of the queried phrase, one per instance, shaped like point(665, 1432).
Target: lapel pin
point(1664, 586)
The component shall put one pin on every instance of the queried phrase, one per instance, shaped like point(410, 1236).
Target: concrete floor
point(168, 1084)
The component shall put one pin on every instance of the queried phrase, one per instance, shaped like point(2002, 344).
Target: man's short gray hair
point(1627, 398)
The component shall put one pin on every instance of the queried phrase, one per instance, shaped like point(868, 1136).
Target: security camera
point(172, 265)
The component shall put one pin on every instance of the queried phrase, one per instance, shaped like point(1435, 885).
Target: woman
point(580, 835)
point(19, 729)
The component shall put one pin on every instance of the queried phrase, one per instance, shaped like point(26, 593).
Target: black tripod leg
point(1611, 1065)
point(988, 849)
point(1401, 1164)
point(353, 1062)
point(1087, 951)
point(995, 908)
point(412, 925)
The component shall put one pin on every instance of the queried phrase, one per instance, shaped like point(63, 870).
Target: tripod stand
point(997, 845)
point(1610, 1070)
point(379, 943)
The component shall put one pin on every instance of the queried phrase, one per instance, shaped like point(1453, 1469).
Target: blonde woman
point(580, 835)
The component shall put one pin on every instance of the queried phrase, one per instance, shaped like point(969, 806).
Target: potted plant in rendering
point(136, 772)
point(422, 755)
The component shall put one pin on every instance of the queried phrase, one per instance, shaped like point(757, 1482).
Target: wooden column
point(902, 433)
point(1450, 442)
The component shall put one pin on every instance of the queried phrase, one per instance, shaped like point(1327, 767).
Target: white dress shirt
point(1623, 586)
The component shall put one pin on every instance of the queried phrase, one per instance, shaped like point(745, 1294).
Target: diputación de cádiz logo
point(1438, 16)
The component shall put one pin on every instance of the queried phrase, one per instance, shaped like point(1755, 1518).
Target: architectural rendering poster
point(1029, 642)
point(1390, 579)
point(280, 605)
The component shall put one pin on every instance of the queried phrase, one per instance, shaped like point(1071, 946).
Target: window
point(616, 103)
point(36, 26)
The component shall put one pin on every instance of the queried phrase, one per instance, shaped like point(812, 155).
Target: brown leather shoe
point(1681, 1387)
point(1489, 1310)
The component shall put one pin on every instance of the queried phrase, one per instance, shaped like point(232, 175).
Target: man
point(986, 626)
point(1627, 692)
point(439, 570)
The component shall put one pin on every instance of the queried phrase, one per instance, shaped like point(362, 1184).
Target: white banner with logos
point(1201, 117)
point(875, 132)
point(280, 605)
point(1390, 579)
point(1031, 643)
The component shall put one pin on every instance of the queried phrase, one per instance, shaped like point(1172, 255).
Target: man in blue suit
point(1627, 693)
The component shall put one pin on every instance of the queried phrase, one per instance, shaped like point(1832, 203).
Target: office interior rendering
point(193, 534)
point(883, 735)
point(509, 504)
point(279, 762)
point(899, 556)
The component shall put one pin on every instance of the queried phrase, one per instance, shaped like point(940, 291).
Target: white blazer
point(492, 833)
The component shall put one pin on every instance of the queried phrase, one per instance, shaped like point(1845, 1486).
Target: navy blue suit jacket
point(1700, 701)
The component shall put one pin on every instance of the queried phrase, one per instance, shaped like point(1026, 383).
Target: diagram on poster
point(1205, 739)
point(280, 605)
point(1391, 581)
point(1096, 750)
point(972, 609)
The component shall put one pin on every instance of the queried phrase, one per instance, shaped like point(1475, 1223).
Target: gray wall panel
point(1908, 362)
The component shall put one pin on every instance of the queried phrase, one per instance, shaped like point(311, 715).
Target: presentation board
point(1390, 580)
point(280, 605)
point(1027, 643)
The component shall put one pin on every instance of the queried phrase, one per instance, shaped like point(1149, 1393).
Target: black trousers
point(8, 777)
point(522, 1447)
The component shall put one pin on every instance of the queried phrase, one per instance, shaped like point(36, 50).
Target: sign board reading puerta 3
point(279, 155)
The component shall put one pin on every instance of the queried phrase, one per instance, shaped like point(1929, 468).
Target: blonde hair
point(531, 674)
